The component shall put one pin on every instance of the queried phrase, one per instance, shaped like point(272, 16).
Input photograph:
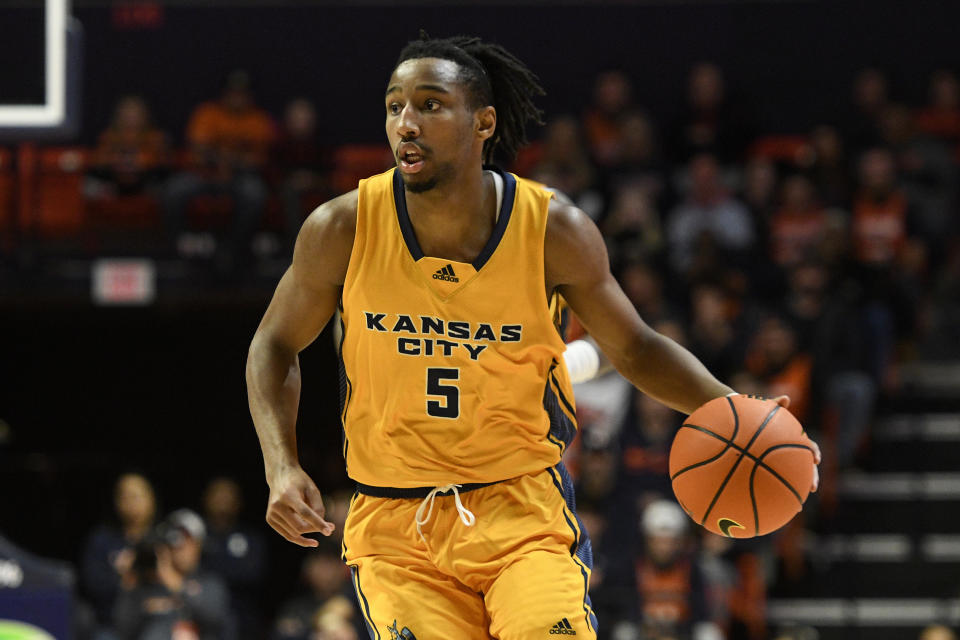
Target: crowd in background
point(810, 266)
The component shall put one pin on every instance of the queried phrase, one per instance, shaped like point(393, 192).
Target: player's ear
point(485, 121)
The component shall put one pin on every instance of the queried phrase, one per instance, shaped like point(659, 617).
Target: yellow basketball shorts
point(520, 572)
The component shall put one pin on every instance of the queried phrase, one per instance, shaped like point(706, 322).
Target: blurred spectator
point(639, 161)
point(612, 96)
point(597, 477)
point(565, 165)
point(937, 632)
point(337, 505)
point(926, 170)
point(236, 553)
point(869, 97)
point(132, 155)
point(832, 325)
point(302, 163)
point(709, 123)
point(888, 258)
point(167, 597)
point(671, 594)
point(882, 221)
point(827, 167)
point(799, 226)
point(633, 225)
point(941, 117)
point(760, 182)
point(229, 140)
point(709, 210)
point(735, 584)
point(775, 358)
point(332, 622)
point(716, 335)
point(109, 551)
point(329, 594)
point(645, 444)
point(643, 285)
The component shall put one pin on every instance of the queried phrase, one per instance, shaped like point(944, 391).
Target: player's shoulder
point(567, 223)
point(336, 217)
point(326, 239)
point(573, 248)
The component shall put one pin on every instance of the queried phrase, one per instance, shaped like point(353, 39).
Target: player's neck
point(455, 219)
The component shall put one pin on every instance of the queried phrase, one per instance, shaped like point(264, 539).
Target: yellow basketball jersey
point(452, 372)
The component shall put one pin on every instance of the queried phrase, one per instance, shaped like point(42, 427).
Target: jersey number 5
point(449, 407)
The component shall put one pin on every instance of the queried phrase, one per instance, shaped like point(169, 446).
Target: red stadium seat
point(356, 161)
point(52, 202)
point(6, 193)
point(138, 211)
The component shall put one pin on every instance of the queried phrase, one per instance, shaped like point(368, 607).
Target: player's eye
point(394, 108)
point(432, 105)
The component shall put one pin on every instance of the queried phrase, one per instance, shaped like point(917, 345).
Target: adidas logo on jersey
point(446, 274)
point(563, 628)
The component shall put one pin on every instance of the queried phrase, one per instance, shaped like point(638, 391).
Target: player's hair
point(493, 76)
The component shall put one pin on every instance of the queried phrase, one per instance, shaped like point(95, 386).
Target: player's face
point(429, 122)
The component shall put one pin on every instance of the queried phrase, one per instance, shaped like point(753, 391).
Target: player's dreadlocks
point(493, 76)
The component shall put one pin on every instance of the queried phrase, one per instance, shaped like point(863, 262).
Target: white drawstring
point(466, 516)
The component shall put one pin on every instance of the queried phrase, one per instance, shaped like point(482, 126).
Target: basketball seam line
point(733, 469)
point(736, 429)
point(756, 460)
point(758, 463)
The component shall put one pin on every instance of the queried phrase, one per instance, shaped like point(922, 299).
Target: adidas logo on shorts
point(446, 274)
point(563, 628)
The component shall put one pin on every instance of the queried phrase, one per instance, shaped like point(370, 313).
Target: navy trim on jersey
point(581, 548)
point(406, 227)
point(416, 492)
point(562, 429)
point(506, 209)
point(362, 599)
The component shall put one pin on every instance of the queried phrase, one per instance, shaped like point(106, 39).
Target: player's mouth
point(410, 157)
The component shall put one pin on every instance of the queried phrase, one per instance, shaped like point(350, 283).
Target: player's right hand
point(295, 507)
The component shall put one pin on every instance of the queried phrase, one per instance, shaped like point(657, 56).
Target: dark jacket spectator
point(109, 550)
point(168, 597)
point(941, 117)
point(329, 595)
point(869, 96)
point(236, 553)
point(612, 96)
point(709, 121)
point(709, 211)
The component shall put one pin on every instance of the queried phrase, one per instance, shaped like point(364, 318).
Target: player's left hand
point(784, 401)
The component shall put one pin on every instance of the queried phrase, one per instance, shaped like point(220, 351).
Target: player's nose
point(407, 125)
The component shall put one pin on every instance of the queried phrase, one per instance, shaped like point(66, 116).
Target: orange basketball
point(741, 466)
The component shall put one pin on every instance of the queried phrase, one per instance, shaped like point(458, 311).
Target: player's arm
point(578, 267)
point(302, 304)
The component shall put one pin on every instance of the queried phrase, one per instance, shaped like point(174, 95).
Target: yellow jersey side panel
point(455, 370)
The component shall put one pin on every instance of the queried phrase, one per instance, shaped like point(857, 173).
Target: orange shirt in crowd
point(603, 137)
point(791, 380)
point(246, 135)
point(794, 235)
point(665, 592)
point(132, 150)
point(879, 229)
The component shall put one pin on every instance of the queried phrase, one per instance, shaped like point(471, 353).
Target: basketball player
point(456, 410)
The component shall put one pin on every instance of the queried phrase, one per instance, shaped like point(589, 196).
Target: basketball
point(741, 466)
